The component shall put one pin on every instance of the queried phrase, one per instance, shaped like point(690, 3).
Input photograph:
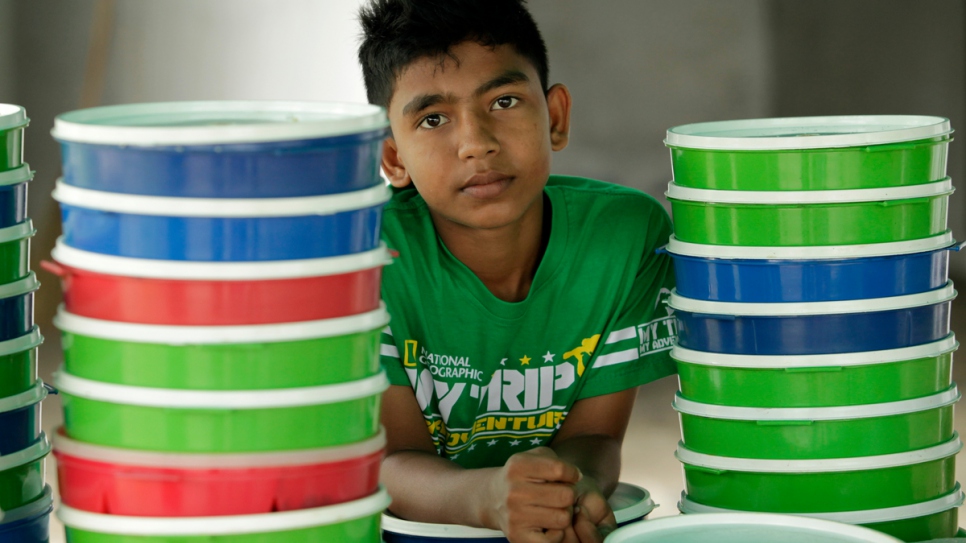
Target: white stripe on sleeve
point(622, 335)
point(618, 357)
point(389, 350)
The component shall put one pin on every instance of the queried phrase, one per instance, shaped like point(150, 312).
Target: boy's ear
point(392, 166)
point(558, 102)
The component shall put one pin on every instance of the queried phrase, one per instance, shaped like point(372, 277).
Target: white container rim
point(18, 231)
point(16, 175)
point(837, 413)
point(19, 288)
point(216, 122)
point(839, 360)
point(791, 133)
point(228, 208)
point(32, 509)
point(13, 116)
point(191, 461)
point(390, 523)
point(31, 340)
point(219, 399)
point(799, 309)
point(32, 453)
point(226, 525)
point(805, 197)
point(218, 271)
point(814, 252)
point(31, 396)
point(869, 516)
point(684, 524)
point(219, 335)
point(860, 463)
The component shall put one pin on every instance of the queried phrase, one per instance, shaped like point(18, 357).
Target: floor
point(648, 448)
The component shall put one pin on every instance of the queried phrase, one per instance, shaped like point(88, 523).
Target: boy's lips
point(486, 185)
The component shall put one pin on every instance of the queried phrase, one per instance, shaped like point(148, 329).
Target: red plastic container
point(137, 483)
point(217, 294)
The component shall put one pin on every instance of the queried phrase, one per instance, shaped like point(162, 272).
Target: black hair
point(398, 32)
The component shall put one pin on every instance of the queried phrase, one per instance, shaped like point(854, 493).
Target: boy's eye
point(505, 102)
point(433, 121)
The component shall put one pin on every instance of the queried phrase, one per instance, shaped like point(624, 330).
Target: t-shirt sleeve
point(635, 350)
point(390, 356)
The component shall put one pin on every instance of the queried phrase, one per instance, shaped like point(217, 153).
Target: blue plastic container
point(225, 230)
point(630, 504)
point(813, 327)
point(17, 307)
point(20, 419)
point(223, 149)
point(13, 195)
point(29, 523)
point(853, 272)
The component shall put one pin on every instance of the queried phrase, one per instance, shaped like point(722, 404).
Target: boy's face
point(475, 135)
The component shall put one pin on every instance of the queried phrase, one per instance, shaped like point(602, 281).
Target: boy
point(526, 308)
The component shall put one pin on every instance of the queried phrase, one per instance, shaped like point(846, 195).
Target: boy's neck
point(506, 258)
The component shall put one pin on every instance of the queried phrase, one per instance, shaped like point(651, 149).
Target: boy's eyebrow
point(422, 102)
point(508, 77)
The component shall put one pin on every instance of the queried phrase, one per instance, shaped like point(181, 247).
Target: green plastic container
point(817, 432)
point(13, 120)
point(816, 380)
point(810, 153)
point(22, 475)
point(18, 363)
point(352, 522)
point(272, 356)
point(821, 486)
point(173, 420)
point(809, 218)
point(916, 522)
point(15, 251)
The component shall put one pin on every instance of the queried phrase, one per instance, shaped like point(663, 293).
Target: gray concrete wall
point(6, 51)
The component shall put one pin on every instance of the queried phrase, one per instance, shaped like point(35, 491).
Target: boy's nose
point(477, 139)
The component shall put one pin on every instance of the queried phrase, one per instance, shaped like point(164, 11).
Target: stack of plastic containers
point(25, 500)
point(813, 306)
point(221, 269)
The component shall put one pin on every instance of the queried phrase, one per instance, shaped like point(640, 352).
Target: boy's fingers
point(553, 495)
point(586, 530)
point(542, 464)
point(544, 518)
point(596, 508)
point(537, 535)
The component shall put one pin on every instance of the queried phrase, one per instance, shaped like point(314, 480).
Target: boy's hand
point(593, 518)
point(532, 498)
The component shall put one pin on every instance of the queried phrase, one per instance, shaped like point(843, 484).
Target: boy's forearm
point(428, 488)
point(597, 457)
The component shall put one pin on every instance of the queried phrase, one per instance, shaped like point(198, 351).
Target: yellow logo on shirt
point(410, 357)
point(587, 347)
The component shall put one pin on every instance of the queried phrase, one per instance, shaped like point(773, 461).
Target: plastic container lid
point(203, 123)
point(34, 395)
point(226, 525)
point(12, 116)
point(40, 506)
point(869, 516)
point(32, 453)
point(22, 343)
point(628, 502)
point(860, 463)
point(128, 457)
point(219, 335)
point(807, 132)
point(218, 271)
point(221, 207)
point(849, 412)
point(780, 362)
point(16, 175)
point(219, 399)
point(17, 231)
point(712, 196)
point(19, 288)
point(815, 252)
point(745, 528)
point(796, 309)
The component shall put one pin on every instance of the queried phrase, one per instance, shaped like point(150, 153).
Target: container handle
point(785, 422)
point(51, 389)
point(704, 469)
point(662, 250)
point(715, 316)
point(957, 247)
point(817, 369)
point(54, 268)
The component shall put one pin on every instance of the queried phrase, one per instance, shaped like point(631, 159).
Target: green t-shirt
point(496, 378)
